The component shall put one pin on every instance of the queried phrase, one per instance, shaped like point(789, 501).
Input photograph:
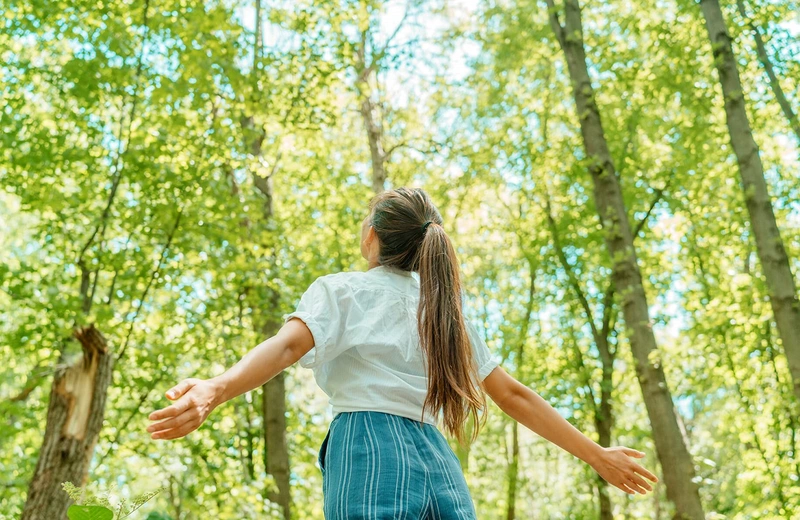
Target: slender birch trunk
point(676, 462)
point(769, 245)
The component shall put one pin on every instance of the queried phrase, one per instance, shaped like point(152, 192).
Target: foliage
point(129, 198)
point(89, 506)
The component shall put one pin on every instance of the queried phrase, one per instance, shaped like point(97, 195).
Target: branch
point(153, 276)
point(405, 144)
point(555, 24)
point(375, 59)
point(33, 382)
point(573, 280)
point(118, 170)
point(659, 195)
point(587, 379)
point(766, 62)
point(608, 304)
point(133, 413)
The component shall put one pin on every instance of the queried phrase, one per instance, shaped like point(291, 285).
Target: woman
point(394, 354)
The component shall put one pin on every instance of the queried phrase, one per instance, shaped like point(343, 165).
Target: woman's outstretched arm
point(529, 409)
point(196, 398)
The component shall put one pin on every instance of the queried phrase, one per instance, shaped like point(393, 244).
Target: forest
point(621, 180)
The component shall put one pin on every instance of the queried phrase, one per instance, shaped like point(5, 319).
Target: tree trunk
point(602, 413)
point(771, 253)
point(273, 392)
point(676, 462)
point(603, 423)
point(376, 151)
point(513, 465)
point(372, 124)
point(513, 473)
point(276, 451)
point(74, 418)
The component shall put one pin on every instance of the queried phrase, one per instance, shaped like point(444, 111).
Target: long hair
point(411, 238)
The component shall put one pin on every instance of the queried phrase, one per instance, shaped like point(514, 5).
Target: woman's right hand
point(194, 400)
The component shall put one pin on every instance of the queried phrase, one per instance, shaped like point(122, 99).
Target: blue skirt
point(378, 466)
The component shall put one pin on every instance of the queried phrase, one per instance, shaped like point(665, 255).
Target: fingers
point(639, 484)
point(180, 431)
point(646, 474)
point(173, 410)
point(624, 487)
point(157, 428)
point(180, 389)
point(633, 453)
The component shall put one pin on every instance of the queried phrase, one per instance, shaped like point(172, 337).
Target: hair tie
point(425, 226)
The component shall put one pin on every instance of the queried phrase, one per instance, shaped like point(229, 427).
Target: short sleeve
point(483, 357)
point(323, 309)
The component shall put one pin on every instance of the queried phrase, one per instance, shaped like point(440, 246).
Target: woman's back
point(367, 354)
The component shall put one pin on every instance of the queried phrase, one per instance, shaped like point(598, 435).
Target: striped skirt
point(381, 466)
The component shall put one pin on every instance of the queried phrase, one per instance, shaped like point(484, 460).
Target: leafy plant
point(89, 506)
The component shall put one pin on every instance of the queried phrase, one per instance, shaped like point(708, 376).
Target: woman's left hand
point(194, 400)
point(617, 468)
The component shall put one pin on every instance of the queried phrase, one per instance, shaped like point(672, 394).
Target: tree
point(769, 69)
point(769, 244)
point(676, 460)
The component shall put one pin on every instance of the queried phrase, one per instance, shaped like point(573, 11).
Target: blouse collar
point(390, 269)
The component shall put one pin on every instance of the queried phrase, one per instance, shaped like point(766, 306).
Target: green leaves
point(91, 506)
point(475, 104)
point(89, 513)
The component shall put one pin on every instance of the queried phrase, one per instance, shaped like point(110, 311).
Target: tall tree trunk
point(766, 62)
point(513, 473)
point(769, 245)
point(273, 392)
point(513, 464)
point(76, 408)
point(676, 462)
point(276, 451)
point(372, 122)
point(602, 413)
point(604, 421)
point(74, 418)
point(374, 137)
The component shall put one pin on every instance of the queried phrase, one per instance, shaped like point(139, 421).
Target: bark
point(676, 462)
point(766, 62)
point(602, 414)
point(376, 152)
point(769, 245)
point(604, 421)
point(513, 465)
point(74, 418)
point(367, 108)
point(513, 473)
point(273, 394)
point(276, 451)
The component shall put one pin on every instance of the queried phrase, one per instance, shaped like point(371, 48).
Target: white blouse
point(366, 354)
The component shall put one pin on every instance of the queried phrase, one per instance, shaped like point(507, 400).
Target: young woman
point(394, 354)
